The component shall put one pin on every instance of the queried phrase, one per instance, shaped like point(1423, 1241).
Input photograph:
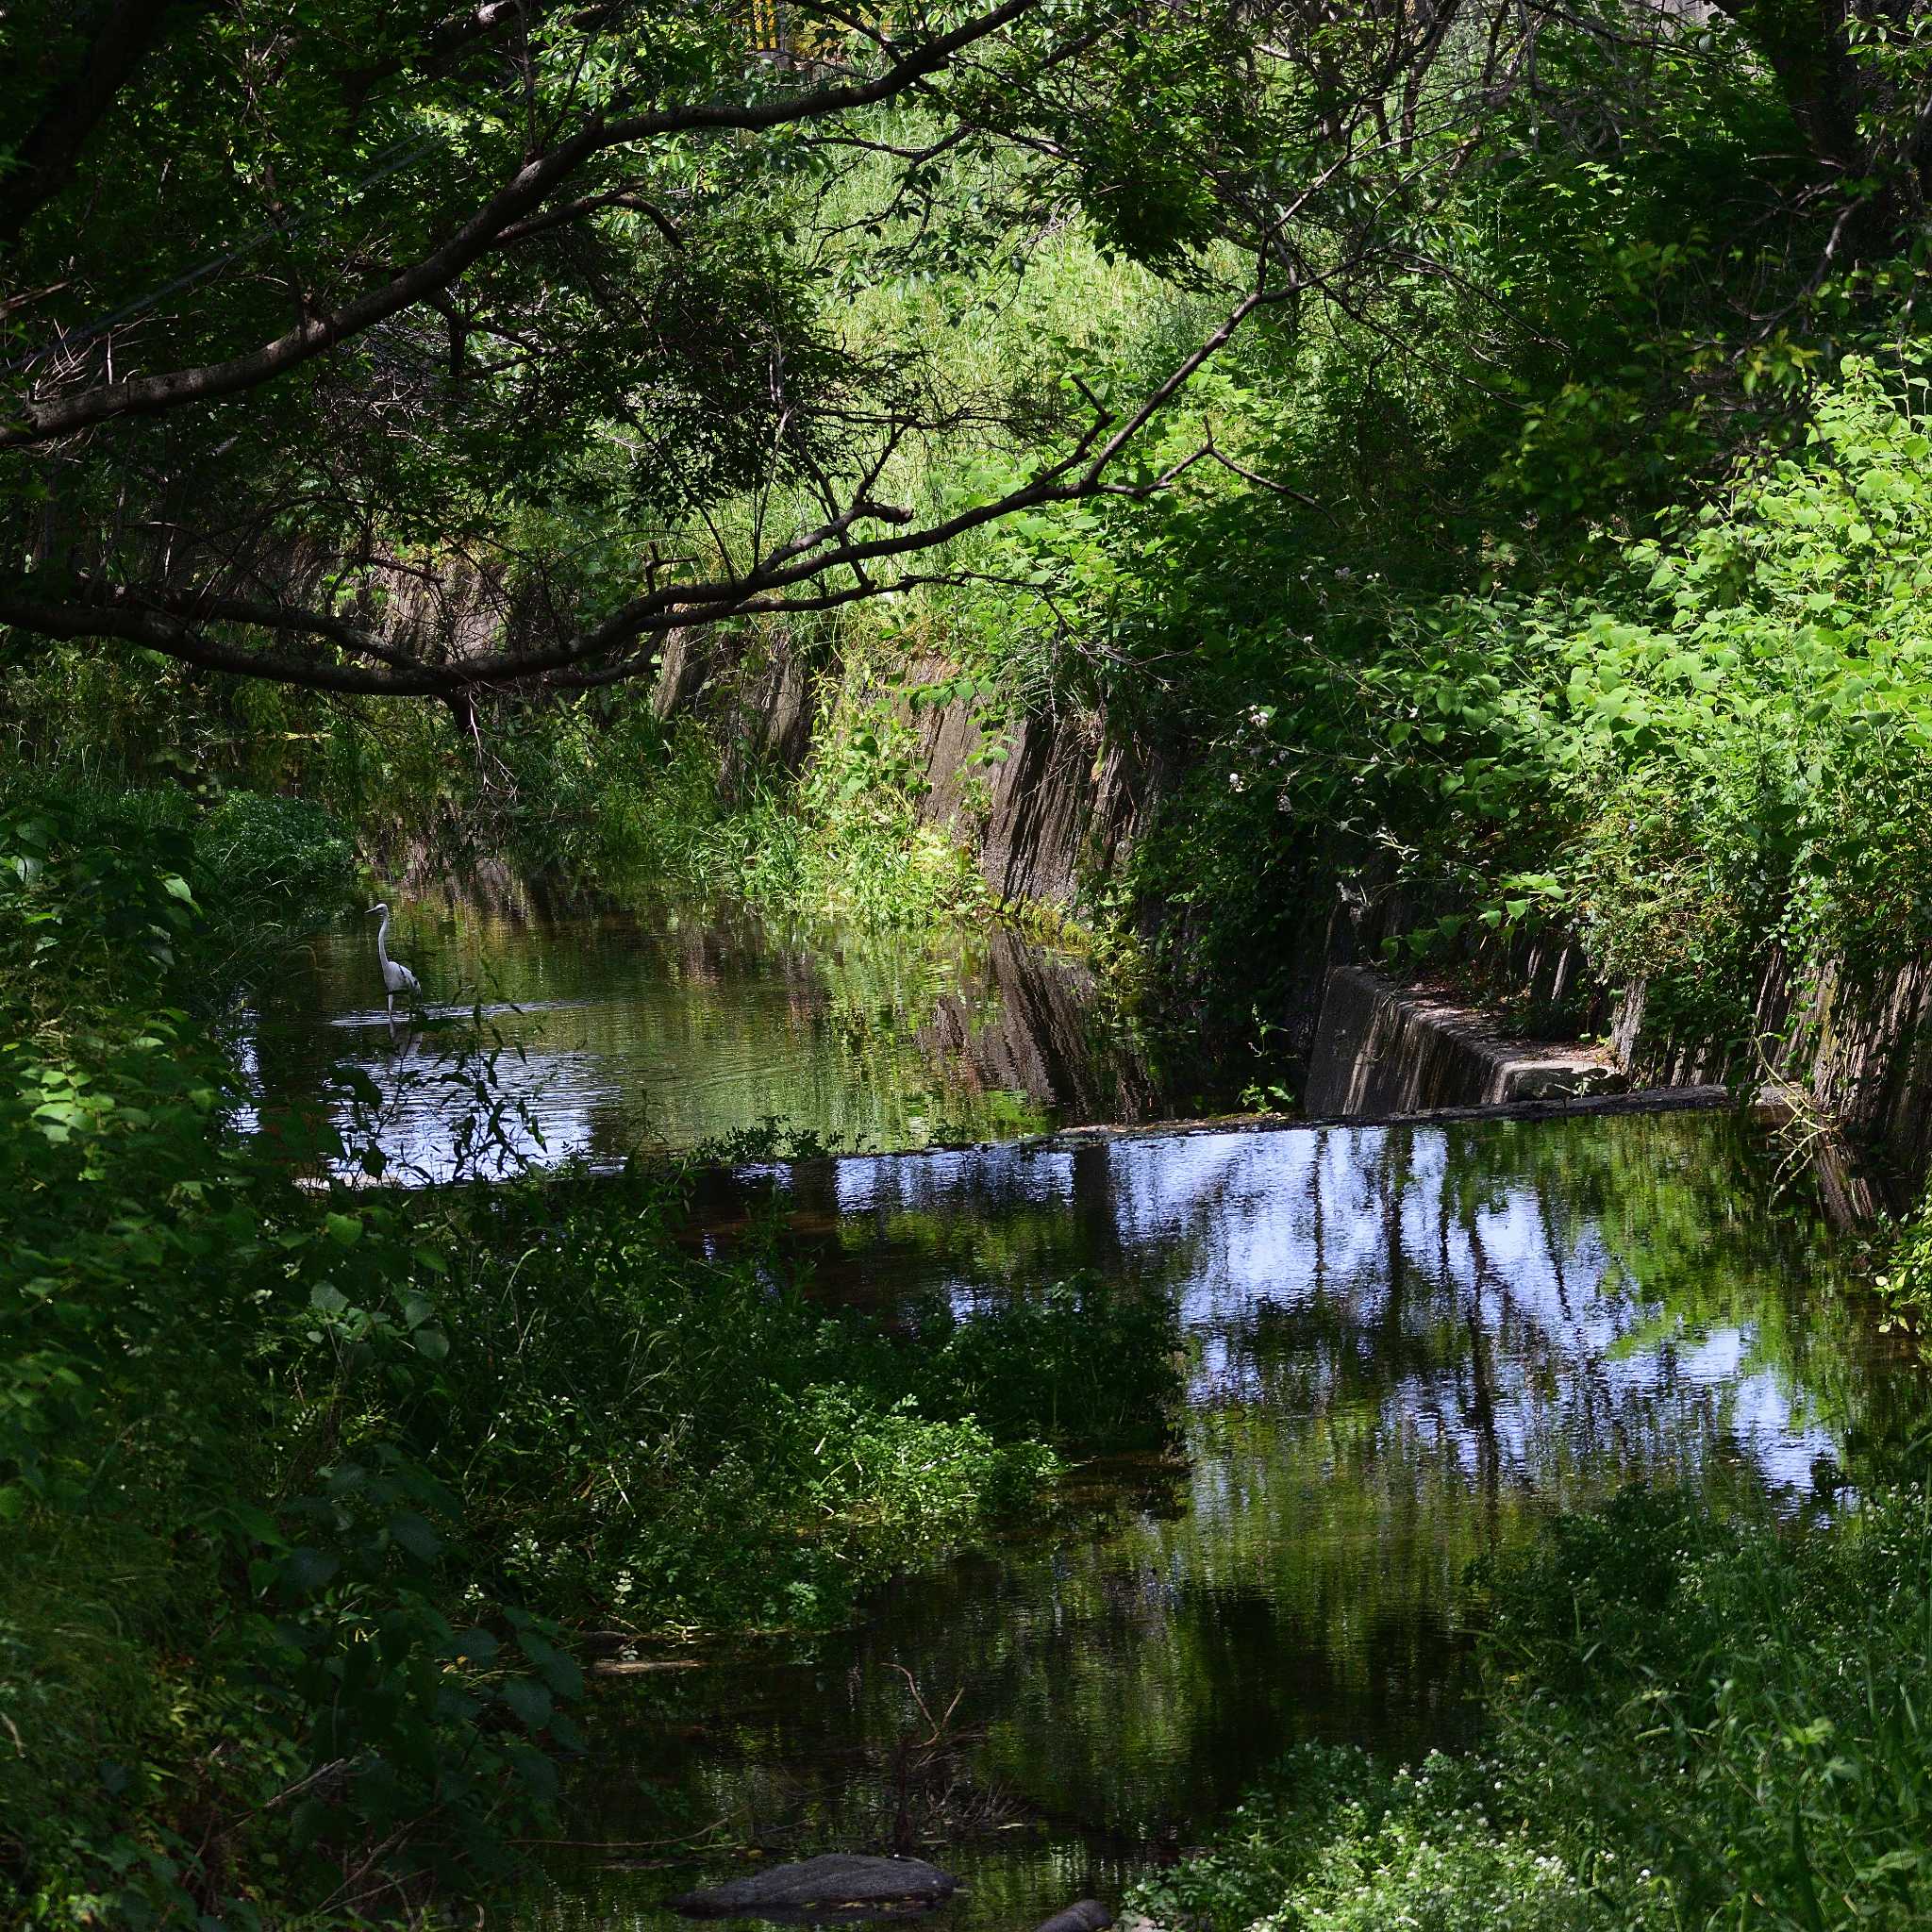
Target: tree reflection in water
point(1405, 1347)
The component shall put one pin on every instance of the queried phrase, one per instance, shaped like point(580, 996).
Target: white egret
point(396, 977)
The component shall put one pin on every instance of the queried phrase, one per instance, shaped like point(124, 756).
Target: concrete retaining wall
point(1058, 807)
point(1382, 1047)
point(1846, 1051)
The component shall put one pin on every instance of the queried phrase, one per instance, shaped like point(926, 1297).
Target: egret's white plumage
point(396, 977)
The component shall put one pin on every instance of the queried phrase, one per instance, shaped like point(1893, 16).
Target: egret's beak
point(373, 909)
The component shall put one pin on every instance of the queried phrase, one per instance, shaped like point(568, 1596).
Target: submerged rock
point(841, 1883)
point(1082, 1915)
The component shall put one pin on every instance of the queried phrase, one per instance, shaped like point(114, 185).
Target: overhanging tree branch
point(46, 159)
point(791, 578)
point(515, 203)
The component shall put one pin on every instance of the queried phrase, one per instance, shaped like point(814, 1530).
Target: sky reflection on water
point(1405, 1346)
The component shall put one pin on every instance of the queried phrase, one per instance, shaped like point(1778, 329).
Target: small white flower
point(1236, 782)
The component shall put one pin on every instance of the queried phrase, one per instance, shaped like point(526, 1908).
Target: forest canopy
point(430, 351)
point(408, 350)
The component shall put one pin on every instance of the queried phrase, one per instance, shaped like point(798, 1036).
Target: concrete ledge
point(1384, 1048)
point(1556, 1107)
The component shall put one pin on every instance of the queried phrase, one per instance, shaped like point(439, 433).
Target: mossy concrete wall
point(1060, 808)
point(1056, 807)
point(1847, 1051)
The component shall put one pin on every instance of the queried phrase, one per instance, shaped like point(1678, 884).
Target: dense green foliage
point(1545, 555)
point(240, 1676)
point(297, 1485)
point(497, 350)
point(1692, 1724)
point(1679, 766)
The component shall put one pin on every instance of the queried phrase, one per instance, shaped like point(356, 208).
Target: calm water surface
point(1405, 1346)
point(674, 1025)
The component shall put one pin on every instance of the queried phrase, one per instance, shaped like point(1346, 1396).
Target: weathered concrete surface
point(1381, 1047)
point(1060, 806)
point(1865, 1050)
point(839, 1882)
point(762, 701)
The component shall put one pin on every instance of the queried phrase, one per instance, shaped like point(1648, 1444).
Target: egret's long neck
point(382, 937)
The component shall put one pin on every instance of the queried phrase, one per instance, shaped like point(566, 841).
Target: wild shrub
point(236, 1674)
point(739, 1455)
point(1692, 1722)
point(1718, 748)
point(1334, 1842)
point(298, 1488)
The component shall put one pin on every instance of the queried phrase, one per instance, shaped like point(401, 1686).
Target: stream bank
point(1636, 808)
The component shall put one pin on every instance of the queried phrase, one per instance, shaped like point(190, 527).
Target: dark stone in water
point(1082, 1915)
point(839, 1883)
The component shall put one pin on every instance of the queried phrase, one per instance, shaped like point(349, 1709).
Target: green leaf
point(556, 1668)
point(307, 1570)
point(413, 1533)
point(529, 1700)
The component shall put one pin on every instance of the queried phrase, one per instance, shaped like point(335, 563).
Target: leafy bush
point(741, 1456)
point(1743, 1709)
point(1681, 766)
point(738, 1455)
point(292, 1481)
point(1693, 1722)
point(236, 1683)
point(1903, 1280)
point(1332, 1842)
point(280, 861)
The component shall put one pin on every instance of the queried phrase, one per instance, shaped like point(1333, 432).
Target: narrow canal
point(1403, 1346)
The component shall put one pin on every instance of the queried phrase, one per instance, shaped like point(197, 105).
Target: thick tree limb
point(796, 575)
